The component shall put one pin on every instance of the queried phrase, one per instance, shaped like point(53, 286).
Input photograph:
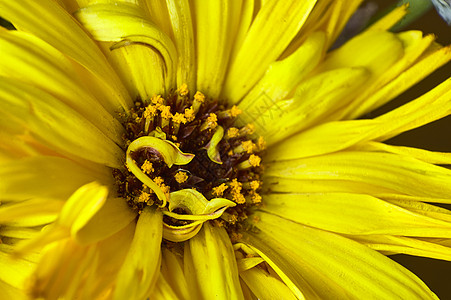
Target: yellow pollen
point(212, 121)
point(157, 99)
point(256, 219)
point(199, 97)
point(165, 111)
point(261, 143)
point(160, 182)
point(248, 129)
point(181, 177)
point(147, 167)
point(151, 111)
point(189, 114)
point(248, 146)
point(254, 160)
point(179, 118)
point(219, 190)
point(256, 198)
point(232, 132)
point(238, 198)
point(235, 111)
point(183, 90)
point(255, 185)
point(144, 197)
point(236, 192)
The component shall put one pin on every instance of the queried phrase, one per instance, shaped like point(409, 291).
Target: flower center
point(187, 156)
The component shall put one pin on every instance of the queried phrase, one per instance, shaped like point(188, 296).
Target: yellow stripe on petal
point(172, 270)
point(322, 139)
point(404, 245)
point(44, 177)
point(275, 25)
point(66, 35)
point(432, 157)
point(142, 69)
point(182, 25)
point(389, 171)
point(141, 267)
point(29, 59)
point(265, 286)
point(126, 25)
point(431, 106)
point(213, 43)
point(335, 266)
point(215, 272)
point(56, 124)
point(359, 214)
point(291, 185)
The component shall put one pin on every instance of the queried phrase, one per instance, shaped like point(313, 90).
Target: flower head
point(214, 149)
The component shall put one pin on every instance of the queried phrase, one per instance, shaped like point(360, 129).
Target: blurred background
point(435, 136)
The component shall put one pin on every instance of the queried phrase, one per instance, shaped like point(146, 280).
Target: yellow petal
point(141, 267)
point(215, 272)
point(325, 138)
point(275, 25)
point(390, 19)
point(75, 214)
point(282, 76)
point(314, 99)
point(408, 71)
point(293, 185)
point(82, 206)
point(264, 286)
point(45, 177)
point(112, 217)
point(14, 272)
point(182, 26)
point(70, 39)
point(30, 208)
point(60, 269)
point(111, 255)
point(431, 106)
point(432, 157)
point(213, 43)
point(389, 171)
point(138, 66)
point(404, 245)
point(125, 24)
point(29, 59)
point(335, 266)
point(56, 124)
point(376, 51)
point(359, 214)
point(172, 270)
point(9, 292)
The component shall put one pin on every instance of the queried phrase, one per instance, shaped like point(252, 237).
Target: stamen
point(210, 123)
point(253, 161)
point(232, 132)
point(181, 177)
point(219, 190)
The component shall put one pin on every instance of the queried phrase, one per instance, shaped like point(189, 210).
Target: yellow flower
point(211, 149)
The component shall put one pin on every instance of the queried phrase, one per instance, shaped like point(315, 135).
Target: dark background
point(434, 136)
